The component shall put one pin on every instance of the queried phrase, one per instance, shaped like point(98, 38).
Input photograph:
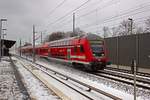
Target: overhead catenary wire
point(128, 11)
point(117, 24)
point(70, 12)
point(114, 18)
point(110, 3)
point(136, 10)
point(110, 26)
point(140, 7)
point(136, 21)
point(53, 10)
point(59, 5)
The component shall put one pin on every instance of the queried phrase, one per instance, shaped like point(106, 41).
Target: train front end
point(98, 53)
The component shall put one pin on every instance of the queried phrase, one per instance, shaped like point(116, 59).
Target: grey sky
point(22, 14)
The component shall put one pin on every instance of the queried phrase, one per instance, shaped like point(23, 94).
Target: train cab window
point(81, 48)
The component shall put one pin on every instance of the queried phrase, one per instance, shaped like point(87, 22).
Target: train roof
point(89, 36)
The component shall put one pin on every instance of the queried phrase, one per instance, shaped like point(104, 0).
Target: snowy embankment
point(9, 89)
point(64, 91)
point(35, 87)
point(119, 89)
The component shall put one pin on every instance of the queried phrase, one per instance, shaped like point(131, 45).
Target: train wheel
point(92, 68)
point(103, 66)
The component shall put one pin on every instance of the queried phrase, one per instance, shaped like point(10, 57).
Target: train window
point(81, 48)
point(66, 42)
point(69, 42)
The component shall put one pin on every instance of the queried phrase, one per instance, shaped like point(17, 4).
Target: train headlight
point(102, 54)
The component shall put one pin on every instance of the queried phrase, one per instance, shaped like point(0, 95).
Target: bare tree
point(115, 31)
point(106, 31)
point(55, 36)
point(147, 22)
point(60, 35)
point(78, 31)
point(124, 28)
point(139, 30)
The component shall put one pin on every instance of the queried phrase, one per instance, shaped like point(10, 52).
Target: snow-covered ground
point(9, 89)
point(119, 89)
point(36, 89)
point(60, 88)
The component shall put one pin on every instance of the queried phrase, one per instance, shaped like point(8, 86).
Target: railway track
point(125, 78)
point(19, 81)
point(128, 71)
point(66, 81)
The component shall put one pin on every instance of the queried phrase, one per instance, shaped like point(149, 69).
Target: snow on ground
point(117, 88)
point(111, 86)
point(35, 87)
point(67, 91)
point(9, 89)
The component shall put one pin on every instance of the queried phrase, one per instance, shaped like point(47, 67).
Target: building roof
point(7, 43)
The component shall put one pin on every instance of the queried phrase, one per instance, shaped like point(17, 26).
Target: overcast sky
point(22, 14)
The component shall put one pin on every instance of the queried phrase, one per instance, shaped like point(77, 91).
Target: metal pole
point(41, 37)
point(0, 39)
point(74, 23)
point(33, 43)
point(134, 79)
point(118, 51)
point(104, 32)
point(2, 45)
point(20, 47)
point(1, 20)
point(131, 20)
point(3, 34)
point(16, 48)
point(137, 50)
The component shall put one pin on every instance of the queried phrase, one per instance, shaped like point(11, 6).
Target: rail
point(75, 80)
point(118, 77)
point(128, 71)
point(19, 81)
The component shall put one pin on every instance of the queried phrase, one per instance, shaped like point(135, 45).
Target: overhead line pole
point(1, 20)
point(0, 39)
point(73, 23)
point(33, 43)
point(134, 60)
point(2, 43)
point(41, 37)
point(20, 47)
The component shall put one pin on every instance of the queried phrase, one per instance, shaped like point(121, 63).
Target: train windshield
point(97, 50)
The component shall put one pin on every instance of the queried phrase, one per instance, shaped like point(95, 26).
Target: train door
point(68, 53)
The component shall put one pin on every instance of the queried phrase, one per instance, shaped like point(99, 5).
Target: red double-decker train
point(88, 51)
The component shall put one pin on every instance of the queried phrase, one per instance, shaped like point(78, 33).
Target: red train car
point(88, 51)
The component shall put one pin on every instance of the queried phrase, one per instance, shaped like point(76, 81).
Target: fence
point(122, 49)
